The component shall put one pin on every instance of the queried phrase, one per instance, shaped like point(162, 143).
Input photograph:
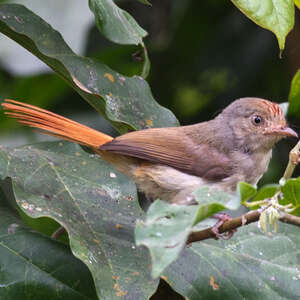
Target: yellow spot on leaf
point(115, 277)
point(149, 123)
point(119, 226)
point(110, 94)
point(119, 292)
point(83, 163)
point(96, 241)
point(213, 284)
point(77, 154)
point(109, 77)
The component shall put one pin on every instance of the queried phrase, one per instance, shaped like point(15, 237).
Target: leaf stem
point(294, 159)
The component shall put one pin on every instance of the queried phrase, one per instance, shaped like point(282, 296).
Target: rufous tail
point(53, 124)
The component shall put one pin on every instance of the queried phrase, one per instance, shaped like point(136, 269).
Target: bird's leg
point(222, 218)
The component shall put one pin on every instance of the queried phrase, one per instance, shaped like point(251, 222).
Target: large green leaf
point(249, 266)
point(294, 96)
point(34, 266)
point(97, 206)
point(126, 101)
point(167, 226)
point(115, 23)
point(164, 232)
point(275, 15)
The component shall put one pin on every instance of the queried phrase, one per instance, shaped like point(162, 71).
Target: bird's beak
point(284, 131)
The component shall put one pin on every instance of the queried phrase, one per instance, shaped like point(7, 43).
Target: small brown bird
point(168, 163)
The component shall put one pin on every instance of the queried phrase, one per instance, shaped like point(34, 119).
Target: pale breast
point(252, 166)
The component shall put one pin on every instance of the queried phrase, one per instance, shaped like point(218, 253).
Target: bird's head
point(256, 123)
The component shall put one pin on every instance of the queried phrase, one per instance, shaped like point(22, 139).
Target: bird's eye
point(257, 120)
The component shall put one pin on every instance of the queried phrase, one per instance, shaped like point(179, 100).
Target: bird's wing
point(170, 146)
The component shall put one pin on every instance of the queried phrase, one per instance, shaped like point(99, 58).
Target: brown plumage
point(54, 124)
point(234, 146)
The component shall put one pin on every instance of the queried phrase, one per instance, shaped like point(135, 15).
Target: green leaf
point(274, 15)
point(97, 206)
point(248, 266)
point(212, 201)
point(167, 226)
point(246, 191)
point(115, 23)
point(126, 101)
point(294, 96)
point(164, 232)
point(34, 266)
point(297, 3)
point(291, 192)
point(266, 192)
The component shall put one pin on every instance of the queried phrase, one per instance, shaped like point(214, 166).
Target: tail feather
point(55, 125)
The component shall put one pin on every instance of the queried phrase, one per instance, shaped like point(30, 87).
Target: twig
point(290, 219)
point(235, 223)
point(293, 161)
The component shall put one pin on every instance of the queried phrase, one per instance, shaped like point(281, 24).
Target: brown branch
point(250, 217)
point(290, 219)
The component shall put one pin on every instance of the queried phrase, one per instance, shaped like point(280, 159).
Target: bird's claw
point(222, 218)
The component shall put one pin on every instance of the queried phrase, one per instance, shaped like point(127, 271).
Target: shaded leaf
point(44, 225)
point(34, 266)
point(126, 101)
point(274, 15)
point(248, 266)
point(294, 96)
point(97, 206)
point(115, 23)
point(167, 226)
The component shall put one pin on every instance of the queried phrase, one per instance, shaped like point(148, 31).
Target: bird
point(170, 163)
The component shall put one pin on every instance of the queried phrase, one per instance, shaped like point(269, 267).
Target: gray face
point(253, 123)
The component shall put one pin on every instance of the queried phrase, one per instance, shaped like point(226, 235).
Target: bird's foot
point(222, 218)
